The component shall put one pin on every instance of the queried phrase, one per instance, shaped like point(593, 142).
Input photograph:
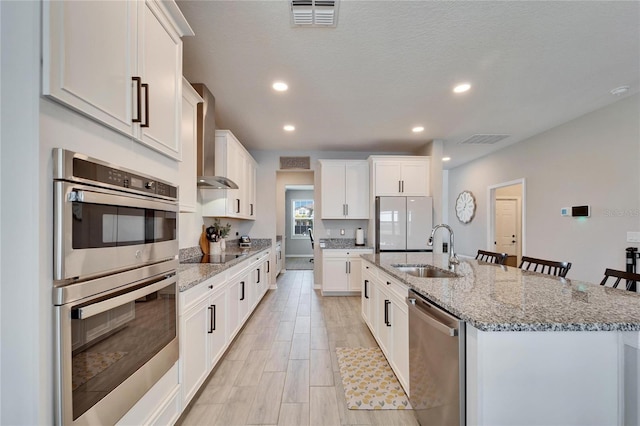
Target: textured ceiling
point(391, 65)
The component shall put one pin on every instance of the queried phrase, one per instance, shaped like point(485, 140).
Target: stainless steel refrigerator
point(403, 223)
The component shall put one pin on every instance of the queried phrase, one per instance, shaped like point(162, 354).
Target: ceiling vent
point(314, 13)
point(483, 139)
point(295, 163)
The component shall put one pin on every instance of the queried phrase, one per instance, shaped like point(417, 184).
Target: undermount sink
point(424, 271)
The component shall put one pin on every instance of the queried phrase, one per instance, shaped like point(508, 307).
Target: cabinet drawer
point(202, 290)
point(393, 285)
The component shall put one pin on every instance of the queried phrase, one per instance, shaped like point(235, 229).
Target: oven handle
point(114, 199)
point(106, 305)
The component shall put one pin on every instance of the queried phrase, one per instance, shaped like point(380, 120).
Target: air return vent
point(481, 139)
point(314, 13)
point(295, 163)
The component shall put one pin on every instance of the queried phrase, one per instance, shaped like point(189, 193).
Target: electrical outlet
point(633, 237)
point(328, 232)
point(342, 232)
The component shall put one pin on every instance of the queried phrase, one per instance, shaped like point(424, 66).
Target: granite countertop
point(500, 298)
point(342, 244)
point(192, 274)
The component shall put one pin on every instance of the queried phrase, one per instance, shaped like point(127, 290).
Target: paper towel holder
point(359, 237)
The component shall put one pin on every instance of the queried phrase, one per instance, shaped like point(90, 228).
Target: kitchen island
point(539, 349)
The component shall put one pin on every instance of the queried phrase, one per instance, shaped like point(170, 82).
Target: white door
point(415, 178)
point(506, 226)
point(357, 190)
point(333, 190)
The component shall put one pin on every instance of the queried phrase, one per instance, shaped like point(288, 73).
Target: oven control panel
point(124, 179)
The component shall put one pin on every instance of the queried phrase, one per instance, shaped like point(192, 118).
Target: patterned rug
point(298, 263)
point(87, 365)
point(369, 382)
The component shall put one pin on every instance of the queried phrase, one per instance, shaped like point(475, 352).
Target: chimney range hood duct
point(206, 143)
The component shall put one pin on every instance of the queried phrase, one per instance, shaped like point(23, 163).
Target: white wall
point(26, 390)
point(593, 159)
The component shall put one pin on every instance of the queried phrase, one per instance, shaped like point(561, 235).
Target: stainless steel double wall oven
point(114, 287)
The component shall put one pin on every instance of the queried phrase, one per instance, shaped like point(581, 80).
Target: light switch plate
point(633, 237)
point(564, 211)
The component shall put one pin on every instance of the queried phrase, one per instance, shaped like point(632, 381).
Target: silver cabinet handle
point(346, 267)
point(347, 206)
point(399, 186)
point(402, 186)
point(100, 307)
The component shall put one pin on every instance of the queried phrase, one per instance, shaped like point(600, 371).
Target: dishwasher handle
point(452, 332)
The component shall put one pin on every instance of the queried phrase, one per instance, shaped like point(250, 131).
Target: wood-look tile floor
point(282, 368)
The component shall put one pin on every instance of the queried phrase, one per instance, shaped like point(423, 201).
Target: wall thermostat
point(581, 211)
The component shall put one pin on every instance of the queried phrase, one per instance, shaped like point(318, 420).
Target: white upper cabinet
point(120, 63)
point(400, 176)
point(344, 189)
point(188, 190)
point(234, 162)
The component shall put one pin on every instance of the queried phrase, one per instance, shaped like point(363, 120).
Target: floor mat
point(369, 382)
point(299, 263)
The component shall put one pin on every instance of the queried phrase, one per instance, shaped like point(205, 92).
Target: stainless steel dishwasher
point(436, 363)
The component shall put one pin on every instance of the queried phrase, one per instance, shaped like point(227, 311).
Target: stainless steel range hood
point(206, 143)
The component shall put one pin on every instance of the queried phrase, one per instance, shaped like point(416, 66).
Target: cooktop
point(214, 258)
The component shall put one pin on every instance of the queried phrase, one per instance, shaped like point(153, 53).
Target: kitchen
point(603, 141)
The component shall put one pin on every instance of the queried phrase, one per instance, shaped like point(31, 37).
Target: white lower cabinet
point(238, 299)
point(368, 295)
point(210, 316)
point(385, 311)
point(341, 270)
point(202, 335)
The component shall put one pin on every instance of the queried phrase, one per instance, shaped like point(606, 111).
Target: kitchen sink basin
point(425, 271)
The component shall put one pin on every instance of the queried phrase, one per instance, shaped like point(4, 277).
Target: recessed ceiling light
point(446, 158)
point(461, 88)
point(280, 86)
point(417, 129)
point(619, 91)
point(289, 128)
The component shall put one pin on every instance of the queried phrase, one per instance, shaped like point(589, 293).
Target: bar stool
point(491, 257)
point(620, 275)
point(549, 267)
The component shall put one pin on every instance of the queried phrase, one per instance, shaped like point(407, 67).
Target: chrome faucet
point(453, 258)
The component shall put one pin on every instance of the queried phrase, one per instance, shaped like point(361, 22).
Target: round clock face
point(465, 207)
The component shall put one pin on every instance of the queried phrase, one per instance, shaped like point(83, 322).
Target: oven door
point(112, 348)
point(100, 231)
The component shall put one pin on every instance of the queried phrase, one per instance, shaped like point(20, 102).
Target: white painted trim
point(491, 209)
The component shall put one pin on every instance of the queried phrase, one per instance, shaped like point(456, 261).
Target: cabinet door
point(187, 168)
point(194, 344)
point(217, 333)
point(400, 338)
point(235, 171)
point(333, 193)
point(383, 318)
point(334, 274)
point(367, 295)
point(415, 178)
point(160, 66)
point(89, 57)
point(355, 273)
point(238, 302)
point(387, 178)
point(251, 188)
point(357, 190)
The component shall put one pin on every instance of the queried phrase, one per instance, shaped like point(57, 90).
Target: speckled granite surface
point(499, 298)
point(192, 274)
point(342, 243)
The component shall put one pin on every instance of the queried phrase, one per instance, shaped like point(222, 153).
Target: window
point(302, 218)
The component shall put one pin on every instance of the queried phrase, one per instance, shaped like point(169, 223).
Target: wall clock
point(465, 206)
